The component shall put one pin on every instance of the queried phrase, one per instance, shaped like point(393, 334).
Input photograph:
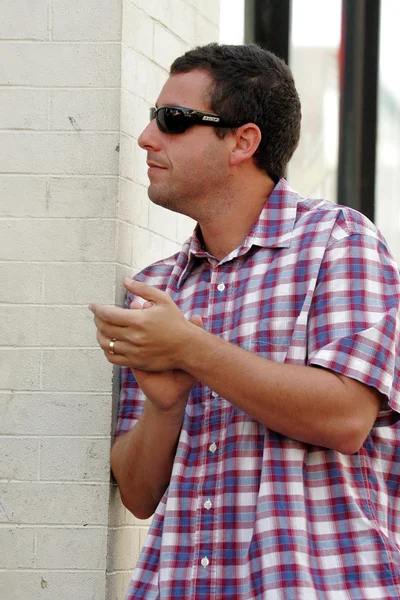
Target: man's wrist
point(193, 348)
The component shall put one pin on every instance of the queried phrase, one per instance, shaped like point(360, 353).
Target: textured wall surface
point(76, 81)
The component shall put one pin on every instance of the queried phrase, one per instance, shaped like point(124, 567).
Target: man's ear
point(247, 139)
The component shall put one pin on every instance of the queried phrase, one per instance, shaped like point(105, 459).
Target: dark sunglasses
point(176, 119)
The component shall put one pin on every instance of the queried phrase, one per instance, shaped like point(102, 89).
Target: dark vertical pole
point(370, 108)
point(358, 108)
point(267, 23)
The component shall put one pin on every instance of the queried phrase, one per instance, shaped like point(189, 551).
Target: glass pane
point(387, 189)
point(314, 60)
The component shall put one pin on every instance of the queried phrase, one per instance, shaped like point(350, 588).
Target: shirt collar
point(273, 229)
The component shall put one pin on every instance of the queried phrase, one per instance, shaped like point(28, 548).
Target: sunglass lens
point(172, 120)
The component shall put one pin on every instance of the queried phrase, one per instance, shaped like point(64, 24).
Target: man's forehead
point(190, 89)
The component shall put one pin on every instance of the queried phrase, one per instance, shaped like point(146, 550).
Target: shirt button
point(204, 561)
point(215, 394)
point(212, 448)
point(221, 287)
point(208, 504)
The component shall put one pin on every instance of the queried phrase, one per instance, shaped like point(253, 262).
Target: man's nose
point(150, 137)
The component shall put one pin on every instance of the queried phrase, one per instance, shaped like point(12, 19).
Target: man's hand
point(149, 339)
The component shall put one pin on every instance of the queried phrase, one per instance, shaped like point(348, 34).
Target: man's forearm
point(306, 403)
point(142, 459)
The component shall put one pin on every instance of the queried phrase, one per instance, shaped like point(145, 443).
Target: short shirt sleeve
point(354, 319)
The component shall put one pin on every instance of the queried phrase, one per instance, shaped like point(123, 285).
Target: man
point(261, 374)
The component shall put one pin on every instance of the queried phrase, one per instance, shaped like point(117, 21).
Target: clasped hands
point(152, 340)
point(152, 336)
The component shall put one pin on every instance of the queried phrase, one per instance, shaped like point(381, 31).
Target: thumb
point(197, 320)
point(147, 292)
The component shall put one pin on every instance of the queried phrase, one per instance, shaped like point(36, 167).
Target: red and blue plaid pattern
point(250, 514)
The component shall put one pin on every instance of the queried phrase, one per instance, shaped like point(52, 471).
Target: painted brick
point(78, 283)
point(89, 20)
point(137, 29)
point(133, 203)
point(80, 110)
point(60, 153)
point(74, 459)
point(55, 503)
point(80, 197)
point(60, 585)
point(21, 282)
point(55, 414)
point(76, 371)
point(117, 584)
point(205, 31)
point(167, 46)
point(18, 459)
point(47, 326)
point(147, 248)
point(209, 9)
point(154, 8)
point(72, 548)
point(23, 109)
point(55, 240)
point(162, 221)
point(134, 114)
point(169, 248)
point(127, 165)
point(20, 369)
point(141, 76)
point(17, 548)
point(24, 19)
point(22, 196)
point(60, 65)
point(124, 251)
point(181, 20)
point(124, 548)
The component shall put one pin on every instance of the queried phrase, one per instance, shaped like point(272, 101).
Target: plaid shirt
point(250, 514)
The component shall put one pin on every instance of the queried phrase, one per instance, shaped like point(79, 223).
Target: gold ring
point(111, 346)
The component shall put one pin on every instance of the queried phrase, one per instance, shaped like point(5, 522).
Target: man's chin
point(168, 202)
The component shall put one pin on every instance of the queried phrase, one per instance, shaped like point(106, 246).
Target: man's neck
point(228, 230)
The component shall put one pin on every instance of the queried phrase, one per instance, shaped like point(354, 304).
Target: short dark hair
point(252, 84)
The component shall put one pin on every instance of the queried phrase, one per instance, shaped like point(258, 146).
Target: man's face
point(186, 170)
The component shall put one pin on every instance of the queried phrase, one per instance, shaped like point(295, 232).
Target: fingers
point(119, 349)
point(147, 292)
point(111, 314)
point(109, 331)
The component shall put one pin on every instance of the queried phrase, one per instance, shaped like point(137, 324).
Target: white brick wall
point(76, 82)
